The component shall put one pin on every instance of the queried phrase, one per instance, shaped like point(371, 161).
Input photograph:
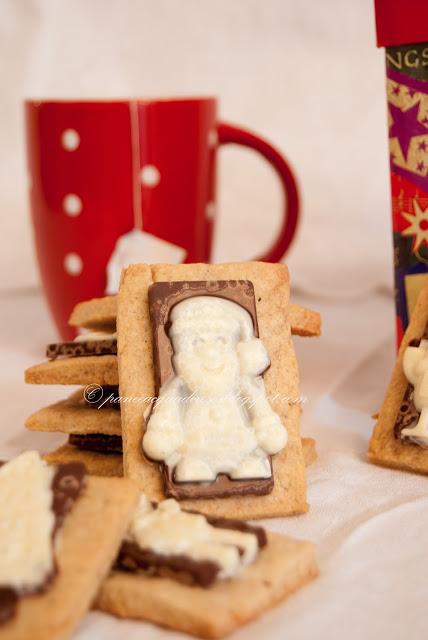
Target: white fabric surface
point(369, 523)
point(306, 74)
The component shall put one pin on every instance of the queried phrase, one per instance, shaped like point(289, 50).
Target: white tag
point(136, 247)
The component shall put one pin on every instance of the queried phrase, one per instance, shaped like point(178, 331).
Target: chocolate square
point(162, 298)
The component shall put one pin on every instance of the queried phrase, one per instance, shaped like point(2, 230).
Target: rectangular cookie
point(385, 449)
point(309, 451)
point(86, 552)
point(73, 415)
point(136, 374)
point(99, 314)
point(96, 314)
point(97, 464)
point(283, 566)
point(84, 370)
point(304, 322)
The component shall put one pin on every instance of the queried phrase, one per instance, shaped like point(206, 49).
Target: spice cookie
point(96, 463)
point(54, 516)
point(100, 370)
point(201, 575)
point(246, 307)
point(400, 436)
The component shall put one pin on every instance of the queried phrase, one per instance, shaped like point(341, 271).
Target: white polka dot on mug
point(72, 205)
point(73, 264)
point(150, 175)
point(70, 139)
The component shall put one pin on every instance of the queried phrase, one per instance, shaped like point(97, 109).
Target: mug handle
point(229, 134)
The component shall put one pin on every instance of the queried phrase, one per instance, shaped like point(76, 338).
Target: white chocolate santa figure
point(213, 415)
point(415, 366)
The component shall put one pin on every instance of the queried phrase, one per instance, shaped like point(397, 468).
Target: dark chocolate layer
point(132, 558)
point(67, 485)
point(181, 567)
point(222, 487)
point(96, 442)
point(8, 603)
point(239, 525)
point(74, 349)
point(407, 413)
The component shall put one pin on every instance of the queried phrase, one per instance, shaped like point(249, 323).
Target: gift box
point(402, 28)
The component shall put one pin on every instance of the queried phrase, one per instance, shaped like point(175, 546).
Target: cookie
point(304, 322)
point(386, 447)
point(96, 314)
point(271, 285)
point(309, 451)
point(282, 567)
point(85, 554)
point(100, 370)
point(73, 415)
point(97, 464)
point(100, 314)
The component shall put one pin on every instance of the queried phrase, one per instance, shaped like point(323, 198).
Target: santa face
point(207, 362)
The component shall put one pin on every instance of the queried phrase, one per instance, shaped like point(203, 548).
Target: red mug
point(99, 170)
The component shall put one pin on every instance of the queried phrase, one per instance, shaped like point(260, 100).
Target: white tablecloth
point(369, 524)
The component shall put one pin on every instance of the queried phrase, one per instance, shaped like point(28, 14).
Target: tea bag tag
point(135, 247)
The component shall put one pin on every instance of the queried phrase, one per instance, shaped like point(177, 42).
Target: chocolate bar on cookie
point(49, 514)
point(400, 436)
point(200, 574)
point(212, 343)
point(89, 359)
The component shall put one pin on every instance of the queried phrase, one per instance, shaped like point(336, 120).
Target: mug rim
point(38, 102)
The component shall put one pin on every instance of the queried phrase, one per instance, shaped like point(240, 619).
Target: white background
point(306, 74)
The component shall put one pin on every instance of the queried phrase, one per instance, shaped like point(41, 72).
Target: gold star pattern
point(418, 225)
point(417, 156)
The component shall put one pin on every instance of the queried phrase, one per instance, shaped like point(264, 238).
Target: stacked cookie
point(90, 416)
point(209, 410)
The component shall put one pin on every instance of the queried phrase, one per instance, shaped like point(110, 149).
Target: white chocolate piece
point(214, 416)
point(415, 367)
point(95, 335)
point(167, 530)
point(26, 522)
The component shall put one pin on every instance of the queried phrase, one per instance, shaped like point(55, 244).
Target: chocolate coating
point(8, 603)
point(96, 442)
point(222, 487)
point(75, 349)
point(180, 567)
point(407, 413)
point(163, 296)
point(67, 484)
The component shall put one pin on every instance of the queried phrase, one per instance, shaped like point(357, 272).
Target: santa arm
point(270, 432)
point(164, 433)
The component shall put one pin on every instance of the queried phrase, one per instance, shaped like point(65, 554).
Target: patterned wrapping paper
point(407, 93)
